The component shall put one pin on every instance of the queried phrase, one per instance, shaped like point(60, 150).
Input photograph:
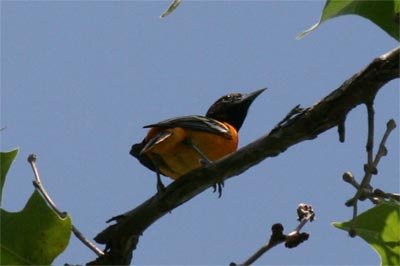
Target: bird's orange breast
point(175, 157)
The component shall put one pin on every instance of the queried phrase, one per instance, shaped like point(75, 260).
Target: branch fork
point(365, 189)
point(305, 214)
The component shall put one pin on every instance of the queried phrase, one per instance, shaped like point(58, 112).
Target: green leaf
point(380, 227)
point(34, 236)
point(6, 159)
point(384, 13)
point(171, 8)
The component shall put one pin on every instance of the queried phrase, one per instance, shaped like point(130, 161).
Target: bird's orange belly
point(175, 157)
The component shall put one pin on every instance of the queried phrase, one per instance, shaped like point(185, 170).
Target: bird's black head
point(232, 108)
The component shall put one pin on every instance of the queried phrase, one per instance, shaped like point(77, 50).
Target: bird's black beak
point(249, 98)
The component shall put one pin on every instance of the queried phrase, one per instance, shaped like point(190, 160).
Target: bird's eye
point(230, 98)
point(227, 98)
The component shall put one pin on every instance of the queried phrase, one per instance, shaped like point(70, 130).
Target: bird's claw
point(218, 187)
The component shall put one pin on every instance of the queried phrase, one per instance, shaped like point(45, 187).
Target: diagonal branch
point(122, 237)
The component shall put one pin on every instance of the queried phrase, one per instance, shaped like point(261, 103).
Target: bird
point(176, 146)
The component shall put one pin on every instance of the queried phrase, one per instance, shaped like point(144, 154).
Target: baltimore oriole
point(176, 146)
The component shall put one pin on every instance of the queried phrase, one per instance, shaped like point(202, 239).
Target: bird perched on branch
point(176, 146)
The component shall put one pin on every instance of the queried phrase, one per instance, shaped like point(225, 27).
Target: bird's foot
point(218, 187)
point(160, 188)
point(160, 185)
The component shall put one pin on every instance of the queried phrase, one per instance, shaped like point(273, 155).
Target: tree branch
point(122, 237)
point(305, 214)
point(365, 189)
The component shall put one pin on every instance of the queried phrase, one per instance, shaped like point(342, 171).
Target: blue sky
point(79, 79)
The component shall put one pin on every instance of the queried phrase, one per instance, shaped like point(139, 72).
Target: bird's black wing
point(195, 122)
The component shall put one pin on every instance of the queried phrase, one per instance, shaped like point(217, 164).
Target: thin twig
point(364, 190)
point(349, 178)
point(305, 213)
point(370, 140)
point(261, 251)
point(352, 230)
point(39, 186)
point(277, 237)
point(369, 168)
point(86, 241)
point(386, 195)
point(375, 197)
point(382, 151)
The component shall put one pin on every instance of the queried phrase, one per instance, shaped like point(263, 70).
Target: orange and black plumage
point(176, 146)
